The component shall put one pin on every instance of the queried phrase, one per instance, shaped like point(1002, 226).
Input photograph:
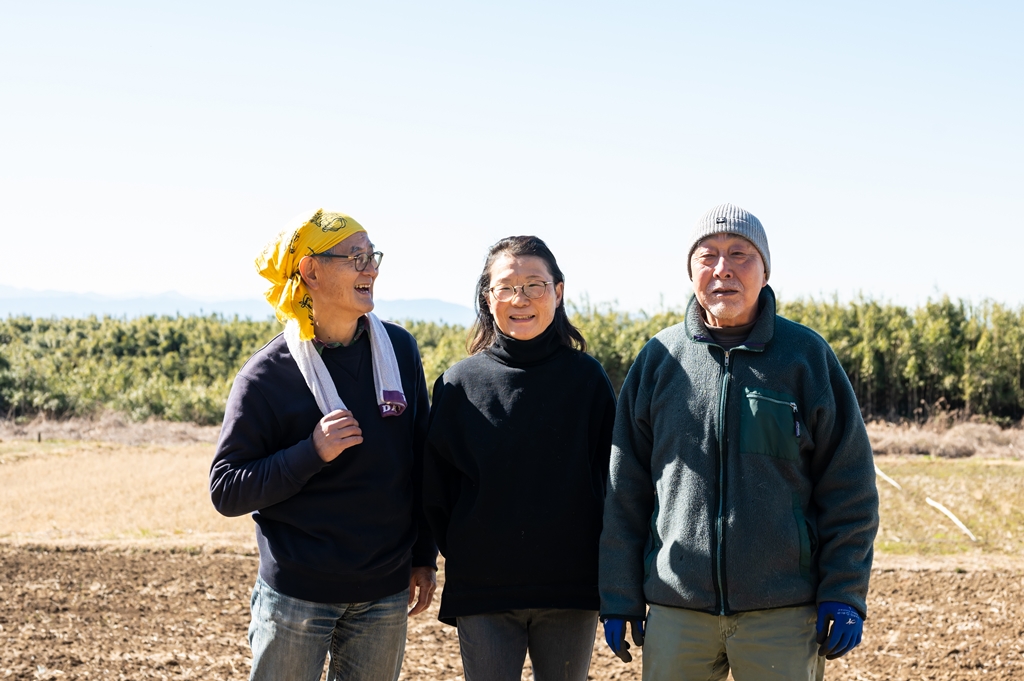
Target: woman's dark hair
point(484, 329)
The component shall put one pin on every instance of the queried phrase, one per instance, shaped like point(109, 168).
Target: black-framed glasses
point(533, 290)
point(359, 261)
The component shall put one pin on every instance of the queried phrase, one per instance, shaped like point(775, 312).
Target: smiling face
point(337, 289)
point(728, 275)
point(523, 318)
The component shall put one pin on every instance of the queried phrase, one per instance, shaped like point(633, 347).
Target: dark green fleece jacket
point(740, 480)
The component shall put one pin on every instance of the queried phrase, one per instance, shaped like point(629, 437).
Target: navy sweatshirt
point(341, 532)
point(516, 463)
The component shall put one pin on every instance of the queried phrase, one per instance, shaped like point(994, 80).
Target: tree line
point(947, 356)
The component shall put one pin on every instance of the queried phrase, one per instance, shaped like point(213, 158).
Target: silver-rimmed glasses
point(533, 290)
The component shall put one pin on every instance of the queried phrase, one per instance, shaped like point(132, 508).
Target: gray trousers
point(560, 643)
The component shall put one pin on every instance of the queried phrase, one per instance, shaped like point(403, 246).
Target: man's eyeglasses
point(533, 290)
point(359, 260)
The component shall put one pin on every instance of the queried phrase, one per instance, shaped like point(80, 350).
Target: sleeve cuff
point(424, 557)
point(304, 462)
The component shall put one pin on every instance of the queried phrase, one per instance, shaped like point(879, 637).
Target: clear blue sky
point(150, 147)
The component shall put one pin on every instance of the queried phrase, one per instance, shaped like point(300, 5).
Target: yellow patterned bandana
point(279, 263)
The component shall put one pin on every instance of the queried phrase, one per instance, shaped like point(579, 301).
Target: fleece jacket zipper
point(720, 515)
point(718, 571)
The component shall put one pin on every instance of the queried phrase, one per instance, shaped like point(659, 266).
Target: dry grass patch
point(959, 440)
point(987, 495)
point(105, 492)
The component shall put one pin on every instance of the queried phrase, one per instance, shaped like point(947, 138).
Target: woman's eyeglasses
point(533, 290)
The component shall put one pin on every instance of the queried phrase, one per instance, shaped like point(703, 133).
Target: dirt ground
point(122, 614)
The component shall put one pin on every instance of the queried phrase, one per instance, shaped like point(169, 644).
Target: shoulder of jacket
point(671, 335)
point(795, 335)
point(668, 342)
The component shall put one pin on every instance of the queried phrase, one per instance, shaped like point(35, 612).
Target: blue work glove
point(845, 633)
point(615, 636)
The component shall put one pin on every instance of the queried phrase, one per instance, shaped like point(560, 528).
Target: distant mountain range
point(19, 301)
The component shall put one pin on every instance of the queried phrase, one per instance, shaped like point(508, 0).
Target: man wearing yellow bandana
point(321, 443)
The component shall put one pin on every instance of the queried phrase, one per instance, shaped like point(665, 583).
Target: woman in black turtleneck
point(517, 458)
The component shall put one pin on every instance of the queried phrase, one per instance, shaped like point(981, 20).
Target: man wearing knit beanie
point(741, 503)
point(729, 253)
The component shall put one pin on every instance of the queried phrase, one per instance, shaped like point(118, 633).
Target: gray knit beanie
point(730, 219)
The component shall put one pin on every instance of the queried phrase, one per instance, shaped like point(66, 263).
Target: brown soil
point(92, 613)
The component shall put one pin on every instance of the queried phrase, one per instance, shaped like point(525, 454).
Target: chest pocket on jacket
point(770, 424)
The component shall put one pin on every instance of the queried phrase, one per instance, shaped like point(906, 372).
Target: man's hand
point(335, 433)
point(845, 633)
point(424, 578)
point(615, 636)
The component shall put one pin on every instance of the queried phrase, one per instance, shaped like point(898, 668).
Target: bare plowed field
point(116, 614)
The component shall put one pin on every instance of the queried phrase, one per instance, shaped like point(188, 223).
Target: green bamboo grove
point(904, 363)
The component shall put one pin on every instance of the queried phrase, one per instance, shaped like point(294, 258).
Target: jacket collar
point(760, 335)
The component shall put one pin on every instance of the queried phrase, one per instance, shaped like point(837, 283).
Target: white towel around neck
point(387, 380)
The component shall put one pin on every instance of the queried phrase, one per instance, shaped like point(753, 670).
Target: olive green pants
point(763, 645)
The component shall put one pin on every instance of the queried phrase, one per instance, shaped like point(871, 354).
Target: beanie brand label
point(719, 221)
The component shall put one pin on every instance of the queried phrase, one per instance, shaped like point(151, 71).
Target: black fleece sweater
point(516, 463)
point(341, 532)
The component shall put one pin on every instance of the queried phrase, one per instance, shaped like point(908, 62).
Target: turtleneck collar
point(508, 350)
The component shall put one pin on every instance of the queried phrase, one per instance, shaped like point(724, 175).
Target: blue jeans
point(290, 638)
point(560, 643)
